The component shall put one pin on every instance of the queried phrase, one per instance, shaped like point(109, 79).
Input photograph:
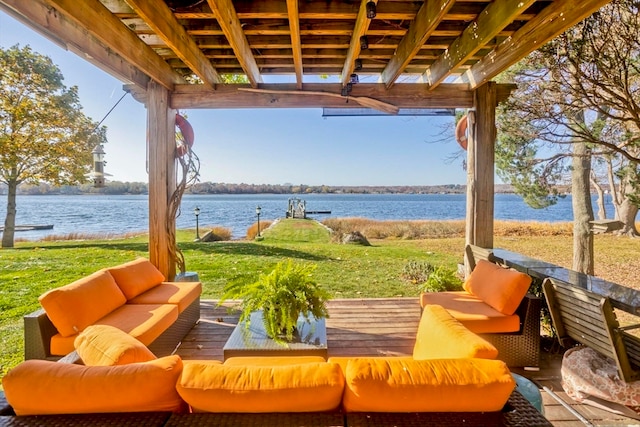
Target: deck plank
point(386, 327)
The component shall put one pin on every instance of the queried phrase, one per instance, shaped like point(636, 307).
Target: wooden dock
point(387, 327)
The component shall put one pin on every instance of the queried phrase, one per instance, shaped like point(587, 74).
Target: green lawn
point(346, 271)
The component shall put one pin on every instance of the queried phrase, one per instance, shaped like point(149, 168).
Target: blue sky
point(263, 146)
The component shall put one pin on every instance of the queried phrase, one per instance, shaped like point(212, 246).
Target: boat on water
point(30, 227)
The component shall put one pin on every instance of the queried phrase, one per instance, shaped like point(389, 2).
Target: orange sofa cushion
point(40, 387)
point(501, 288)
point(104, 345)
point(135, 277)
point(307, 387)
point(77, 305)
point(451, 385)
point(272, 361)
point(472, 312)
point(146, 322)
point(441, 336)
point(182, 294)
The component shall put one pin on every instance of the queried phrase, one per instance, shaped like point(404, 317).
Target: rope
point(187, 176)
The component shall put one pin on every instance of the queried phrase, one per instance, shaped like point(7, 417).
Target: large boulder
point(355, 237)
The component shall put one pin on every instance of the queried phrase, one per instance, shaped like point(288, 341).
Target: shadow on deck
point(387, 327)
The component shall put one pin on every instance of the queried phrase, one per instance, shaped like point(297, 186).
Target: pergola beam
point(551, 22)
point(426, 22)
point(160, 18)
point(228, 20)
point(67, 34)
point(493, 19)
point(112, 33)
point(402, 95)
point(296, 45)
point(359, 30)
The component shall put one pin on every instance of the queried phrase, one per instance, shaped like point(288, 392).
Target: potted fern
point(283, 295)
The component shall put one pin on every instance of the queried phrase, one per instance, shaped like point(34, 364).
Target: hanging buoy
point(461, 131)
point(185, 137)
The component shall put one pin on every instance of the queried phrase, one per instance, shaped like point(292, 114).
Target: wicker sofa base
point(517, 412)
point(521, 349)
point(38, 331)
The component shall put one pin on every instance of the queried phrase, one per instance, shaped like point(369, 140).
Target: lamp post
point(258, 210)
point(196, 212)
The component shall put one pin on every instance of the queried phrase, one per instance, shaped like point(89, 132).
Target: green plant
point(442, 279)
point(417, 272)
point(284, 294)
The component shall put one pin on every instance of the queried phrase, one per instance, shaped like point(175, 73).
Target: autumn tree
point(578, 96)
point(44, 135)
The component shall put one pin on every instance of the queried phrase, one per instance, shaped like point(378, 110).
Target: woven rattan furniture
point(38, 331)
point(517, 412)
point(588, 318)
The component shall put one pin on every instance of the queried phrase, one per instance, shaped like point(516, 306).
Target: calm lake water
point(121, 214)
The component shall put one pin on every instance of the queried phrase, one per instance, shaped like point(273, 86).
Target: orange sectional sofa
point(451, 370)
point(133, 297)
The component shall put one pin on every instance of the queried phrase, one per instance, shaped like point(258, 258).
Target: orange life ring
point(184, 140)
point(461, 131)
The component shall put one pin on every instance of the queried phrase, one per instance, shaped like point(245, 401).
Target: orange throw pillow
point(441, 336)
point(501, 288)
point(135, 277)
point(42, 387)
point(104, 345)
point(73, 307)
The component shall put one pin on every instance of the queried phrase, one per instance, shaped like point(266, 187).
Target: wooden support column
point(161, 151)
point(480, 167)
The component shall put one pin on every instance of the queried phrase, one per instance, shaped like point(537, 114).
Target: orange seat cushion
point(41, 387)
point(439, 385)
point(146, 322)
point(501, 288)
point(272, 361)
point(135, 277)
point(77, 305)
point(180, 293)
point(306, 387)
point(104, 345)
point(441, 336)
point(472, 312)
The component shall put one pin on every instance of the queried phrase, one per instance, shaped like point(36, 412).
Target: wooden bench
point(588, 318)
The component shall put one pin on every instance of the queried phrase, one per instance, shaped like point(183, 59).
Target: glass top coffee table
point(309, 340)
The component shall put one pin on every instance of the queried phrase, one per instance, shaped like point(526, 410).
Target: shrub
point(252, 231)
point(442, 279)
point(417, 272)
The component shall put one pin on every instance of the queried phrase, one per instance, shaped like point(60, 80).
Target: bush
point(252, 231)
point(442, 279)
point(417, 272)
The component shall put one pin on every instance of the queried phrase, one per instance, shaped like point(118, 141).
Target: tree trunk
point(626, 213)
point(602, 209)
point(10, 219)
point(582, 209)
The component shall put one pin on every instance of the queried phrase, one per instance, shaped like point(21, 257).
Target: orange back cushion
point(439, 385)
point(305, 387)
point(41, 387)
point(104, 345)
point(135, 277)
point(77, 305)
point(441, 336)
point(501, 288)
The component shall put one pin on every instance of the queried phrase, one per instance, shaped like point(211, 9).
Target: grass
point(346, 271)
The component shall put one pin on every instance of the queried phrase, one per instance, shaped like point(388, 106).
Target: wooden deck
point(387, 327)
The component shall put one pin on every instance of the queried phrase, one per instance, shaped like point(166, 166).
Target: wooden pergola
point(173, 54)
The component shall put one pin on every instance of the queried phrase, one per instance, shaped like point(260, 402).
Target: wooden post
point(480, 167)
point(161, 151)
